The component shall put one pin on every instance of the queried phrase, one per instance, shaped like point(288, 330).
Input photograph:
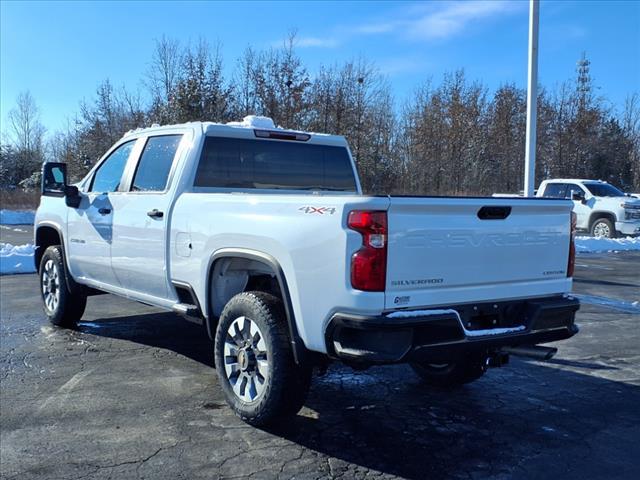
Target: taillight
point(572, 246)
point(369, 264)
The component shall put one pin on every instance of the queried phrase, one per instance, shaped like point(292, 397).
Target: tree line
point(451, 137)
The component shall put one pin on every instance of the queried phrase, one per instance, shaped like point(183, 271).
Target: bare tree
point(26, 130)
point(162, 76)
point(451, 137)
point(631, 125)
point(26, 150)
point(244, 84)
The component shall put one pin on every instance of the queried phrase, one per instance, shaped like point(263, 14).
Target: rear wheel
point(254, 360)
point(450, 375)
point(603, 228)
point(62, 307)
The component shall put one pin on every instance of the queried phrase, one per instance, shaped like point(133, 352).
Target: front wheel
point(257, 372)
point(450, 375)
point(62, 307)
point(603, 228)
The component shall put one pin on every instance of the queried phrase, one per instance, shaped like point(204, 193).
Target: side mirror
point(54, 183)
point(578, 196)
point(72, 196)
point(54, 179)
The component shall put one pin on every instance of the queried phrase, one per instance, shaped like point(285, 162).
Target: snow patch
point(16, 259)
point(253, 121)
point(17, 217)
point(493, 331)
point(468, 333)
point(592, 244)
point(421, 313)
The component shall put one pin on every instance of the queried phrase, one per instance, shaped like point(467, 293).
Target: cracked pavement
point(132, 393)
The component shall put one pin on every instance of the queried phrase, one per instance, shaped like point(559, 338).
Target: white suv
point(601, 209)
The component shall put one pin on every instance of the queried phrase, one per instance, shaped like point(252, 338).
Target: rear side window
point(555, 190)
point(155, 163)
point(107, 177)
point(268, 164)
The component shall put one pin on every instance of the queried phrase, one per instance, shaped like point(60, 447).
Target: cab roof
point(251, 126)
point(577, 180)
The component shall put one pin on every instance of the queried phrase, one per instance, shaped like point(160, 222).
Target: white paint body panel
point(133, 255)
point(313, 250)
point(441, 253)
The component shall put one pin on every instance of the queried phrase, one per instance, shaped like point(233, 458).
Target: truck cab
point(601, 209)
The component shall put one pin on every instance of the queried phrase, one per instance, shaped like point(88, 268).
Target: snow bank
point(592, 245)
point(16, 259)
point(16, 217)
point(253, 121)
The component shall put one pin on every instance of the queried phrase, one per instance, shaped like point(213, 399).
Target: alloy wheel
point(246, 361)
point(51, 285)
point(601, 230)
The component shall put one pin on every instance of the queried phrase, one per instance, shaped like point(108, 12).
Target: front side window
point(107, 177)
point(155, 163)
point(268, 164)
point(571, 189)
point(555, 190)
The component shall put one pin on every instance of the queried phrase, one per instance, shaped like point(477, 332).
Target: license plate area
point(486, 316)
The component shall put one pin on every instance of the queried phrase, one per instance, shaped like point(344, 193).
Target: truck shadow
point(159, 330)
point(515, 422)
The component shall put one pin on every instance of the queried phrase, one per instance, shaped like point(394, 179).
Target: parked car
point(264, 237)
point(601, 209)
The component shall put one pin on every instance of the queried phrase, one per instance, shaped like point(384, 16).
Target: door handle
point(104, 211)
point(155, 213)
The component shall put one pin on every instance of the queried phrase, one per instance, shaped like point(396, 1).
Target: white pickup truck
point(601, 209)
point(263, 236)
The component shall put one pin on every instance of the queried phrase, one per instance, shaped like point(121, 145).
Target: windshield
point(603, 190)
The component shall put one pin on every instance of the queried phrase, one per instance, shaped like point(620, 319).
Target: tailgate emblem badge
point(318, 210)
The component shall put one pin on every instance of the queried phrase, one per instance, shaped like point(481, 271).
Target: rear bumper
point(441, 336)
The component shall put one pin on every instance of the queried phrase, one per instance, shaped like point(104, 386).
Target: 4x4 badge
point(318, 210)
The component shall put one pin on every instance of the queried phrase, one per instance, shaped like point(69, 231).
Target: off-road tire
point(67, 309)
point(451, 375)
point(287, 384)
point(603, 224)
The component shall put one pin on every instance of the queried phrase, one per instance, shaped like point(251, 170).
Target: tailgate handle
point(493, 213)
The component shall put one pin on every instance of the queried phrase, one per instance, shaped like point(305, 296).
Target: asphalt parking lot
point(132, 393)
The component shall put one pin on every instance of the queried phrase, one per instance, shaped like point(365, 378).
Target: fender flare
point(300, 353)
point(593, 216)
point(72, 285)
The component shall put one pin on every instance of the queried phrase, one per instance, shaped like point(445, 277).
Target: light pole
point(532, 99)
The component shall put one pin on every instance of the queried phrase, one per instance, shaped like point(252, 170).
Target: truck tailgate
point(447, 251)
